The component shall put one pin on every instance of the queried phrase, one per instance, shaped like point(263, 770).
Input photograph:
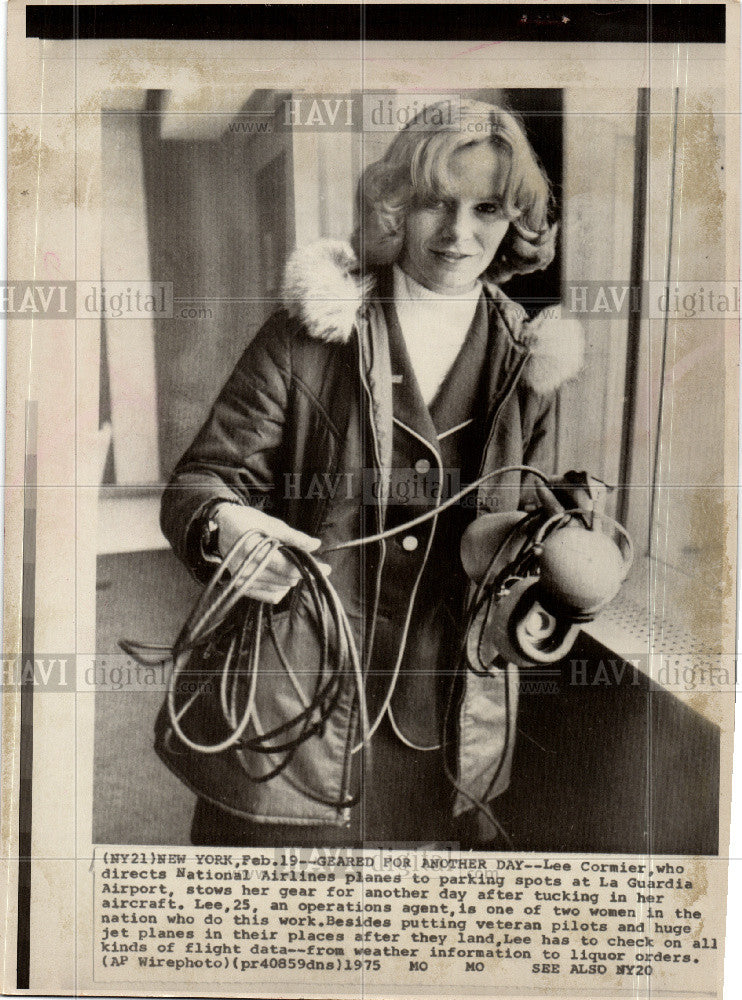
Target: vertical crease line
point(25, 756)
point(666, 327)
point(636, 273)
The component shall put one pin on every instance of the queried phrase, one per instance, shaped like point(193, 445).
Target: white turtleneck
point(434, 327)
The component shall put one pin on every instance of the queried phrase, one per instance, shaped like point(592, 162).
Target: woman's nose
point(456, 223)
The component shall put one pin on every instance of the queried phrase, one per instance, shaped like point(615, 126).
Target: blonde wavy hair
point(415, 170)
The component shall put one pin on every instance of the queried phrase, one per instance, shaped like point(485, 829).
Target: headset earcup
point(517, 628)
point(547, 644)
point(581, 569)
point(490, 635)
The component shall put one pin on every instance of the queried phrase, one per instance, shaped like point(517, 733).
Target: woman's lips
point(451, 256)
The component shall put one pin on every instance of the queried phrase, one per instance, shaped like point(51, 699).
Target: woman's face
point(450, 243)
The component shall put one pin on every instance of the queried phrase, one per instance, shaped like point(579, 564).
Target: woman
point(396, 372)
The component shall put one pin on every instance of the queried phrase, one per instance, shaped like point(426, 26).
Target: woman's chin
point(452, 275)
point(450, 282)
point(445, 277)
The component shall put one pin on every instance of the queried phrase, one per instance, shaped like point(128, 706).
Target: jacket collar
point(325, 290)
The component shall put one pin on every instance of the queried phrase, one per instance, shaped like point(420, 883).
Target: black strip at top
point(668, 22)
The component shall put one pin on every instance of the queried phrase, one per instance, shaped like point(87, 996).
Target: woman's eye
point(489, 208)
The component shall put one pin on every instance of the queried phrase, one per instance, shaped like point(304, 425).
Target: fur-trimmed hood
point(324, 290)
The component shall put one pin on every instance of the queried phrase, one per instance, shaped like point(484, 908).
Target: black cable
point(226, 613)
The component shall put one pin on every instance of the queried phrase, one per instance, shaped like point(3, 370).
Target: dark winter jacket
point(302, 423)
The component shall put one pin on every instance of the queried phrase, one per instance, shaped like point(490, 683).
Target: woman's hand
point(279, 575)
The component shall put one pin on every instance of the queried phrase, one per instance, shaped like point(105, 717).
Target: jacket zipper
point(350, 740)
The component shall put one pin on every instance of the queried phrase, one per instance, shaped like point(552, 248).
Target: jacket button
point(422, 466)
point(409, 543)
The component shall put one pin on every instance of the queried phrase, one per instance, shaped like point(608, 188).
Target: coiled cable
point(216, 616)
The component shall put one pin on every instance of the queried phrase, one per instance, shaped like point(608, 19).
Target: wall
point(204, 237)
